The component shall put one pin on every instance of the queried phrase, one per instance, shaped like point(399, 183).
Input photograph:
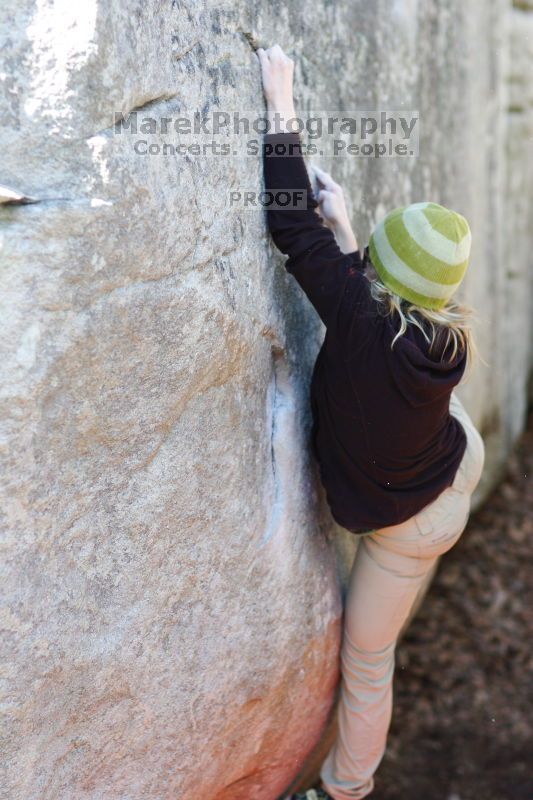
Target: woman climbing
point(399, 456)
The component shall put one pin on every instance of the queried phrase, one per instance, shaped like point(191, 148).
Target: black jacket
point(383, 435)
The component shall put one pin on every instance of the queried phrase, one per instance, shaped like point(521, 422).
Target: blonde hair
point(452, 322)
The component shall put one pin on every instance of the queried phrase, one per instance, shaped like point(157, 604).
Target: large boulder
point(172, 578)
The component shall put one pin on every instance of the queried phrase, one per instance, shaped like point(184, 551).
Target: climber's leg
point(388, 570)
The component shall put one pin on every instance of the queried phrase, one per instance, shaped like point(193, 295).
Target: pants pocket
point(440, 524)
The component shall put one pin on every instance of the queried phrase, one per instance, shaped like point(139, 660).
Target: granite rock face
point(171, 612)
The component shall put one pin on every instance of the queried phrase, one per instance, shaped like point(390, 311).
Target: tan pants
point(389, 567)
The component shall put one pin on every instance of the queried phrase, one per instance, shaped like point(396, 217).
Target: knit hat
point(421, 252)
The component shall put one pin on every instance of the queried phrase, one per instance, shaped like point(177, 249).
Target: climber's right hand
point(330, 197)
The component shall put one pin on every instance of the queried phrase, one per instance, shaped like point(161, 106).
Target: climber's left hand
point(277, 72)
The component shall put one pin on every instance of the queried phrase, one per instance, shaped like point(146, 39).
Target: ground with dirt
point(462, 722)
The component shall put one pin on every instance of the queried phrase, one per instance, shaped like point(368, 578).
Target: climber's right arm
point(315, 259)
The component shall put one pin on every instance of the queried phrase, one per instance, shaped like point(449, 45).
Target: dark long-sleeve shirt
point(383, 435)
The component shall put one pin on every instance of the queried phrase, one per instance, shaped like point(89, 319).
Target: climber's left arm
point(317, 262)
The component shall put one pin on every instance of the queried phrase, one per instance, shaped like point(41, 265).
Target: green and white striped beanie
point(421, 252)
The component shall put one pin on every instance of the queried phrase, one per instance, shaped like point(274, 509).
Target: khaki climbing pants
point(389, 567)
